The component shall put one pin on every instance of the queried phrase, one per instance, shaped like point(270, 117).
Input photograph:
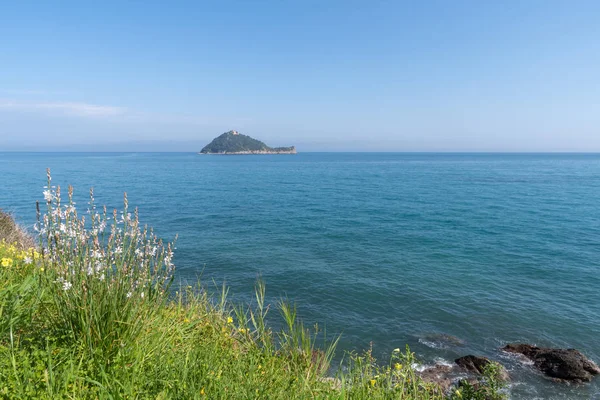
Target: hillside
point(233, 142)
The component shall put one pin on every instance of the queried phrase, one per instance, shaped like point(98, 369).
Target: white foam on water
point(436, 361)
point(432, 345)
point(419, 367)
point(520, 358)
point(443, 361)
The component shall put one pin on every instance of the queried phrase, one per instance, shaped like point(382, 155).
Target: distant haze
point(323, 76)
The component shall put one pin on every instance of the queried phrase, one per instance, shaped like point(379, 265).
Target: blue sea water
point(383, 248)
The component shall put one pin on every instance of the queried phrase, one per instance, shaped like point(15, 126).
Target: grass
point(10, 232)
point(90, 313)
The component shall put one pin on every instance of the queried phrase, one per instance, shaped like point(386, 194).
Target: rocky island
point(233, 142)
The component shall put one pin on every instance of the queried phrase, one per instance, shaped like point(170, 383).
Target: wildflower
point(96, 254)
point(42, 269)
point(242, 330)
point(67, 285)
point(373, 382)
point(27, 260)
point(229, 320)
point(48, 196)
point(6, 262)
point(397, 366)
point(202, 392)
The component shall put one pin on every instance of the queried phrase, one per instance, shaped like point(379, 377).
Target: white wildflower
point(99, 267)
point(48, 196)
point(96, 254)
point(56, 213)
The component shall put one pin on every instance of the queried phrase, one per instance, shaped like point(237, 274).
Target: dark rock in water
point(467, 371)
point(477, 365)
point(562, 364)
point(440, 374)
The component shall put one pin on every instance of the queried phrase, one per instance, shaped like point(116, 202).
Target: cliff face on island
point(233, 142)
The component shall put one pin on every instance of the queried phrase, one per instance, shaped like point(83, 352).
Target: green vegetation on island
point(233, 142)
point(90, 313)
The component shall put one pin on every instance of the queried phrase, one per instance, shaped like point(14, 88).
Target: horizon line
point(316, 151)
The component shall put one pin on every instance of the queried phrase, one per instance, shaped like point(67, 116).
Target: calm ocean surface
point(386, 248)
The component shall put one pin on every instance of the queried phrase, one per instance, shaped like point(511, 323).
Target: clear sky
point(320, 74)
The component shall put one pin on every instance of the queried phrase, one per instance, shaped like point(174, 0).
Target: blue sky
point(323, 75)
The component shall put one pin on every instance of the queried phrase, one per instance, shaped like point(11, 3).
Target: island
point(233, 142)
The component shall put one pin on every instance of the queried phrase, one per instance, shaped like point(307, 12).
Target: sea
point(450, 254)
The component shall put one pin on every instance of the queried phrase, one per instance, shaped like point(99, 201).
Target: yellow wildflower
point(373, 382)
point(229, 320)
point(202, 392)
point(6, 262)
point(398, 366)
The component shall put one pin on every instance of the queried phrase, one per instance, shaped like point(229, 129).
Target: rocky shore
point(287, 150)
point(561, 365)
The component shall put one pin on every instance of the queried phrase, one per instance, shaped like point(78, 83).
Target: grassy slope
point(92, 341)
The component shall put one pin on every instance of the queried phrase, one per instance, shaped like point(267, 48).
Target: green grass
point(94, 316)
